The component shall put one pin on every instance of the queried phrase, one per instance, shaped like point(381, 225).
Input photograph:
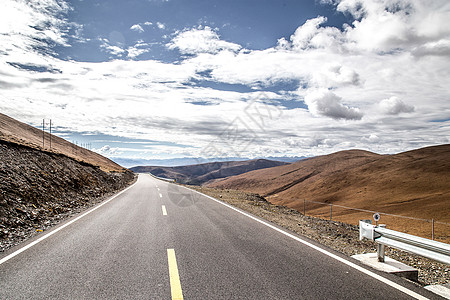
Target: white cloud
point(200, 40)
point(303, 35)
point(335, 75)
point(326, 103)
point(137, 27)
point(388, 25)
point(160, 25)
point(108, 151)
point(342, 75)
point(27, 25)
point(133, 52)
point(115, 50)
point(395, 106)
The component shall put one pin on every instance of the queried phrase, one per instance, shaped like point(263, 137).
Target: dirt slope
point(23, 134)
point(414, 183)
point(208, 172)
point(40, 187)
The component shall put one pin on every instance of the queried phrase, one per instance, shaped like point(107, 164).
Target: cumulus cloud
point(334, 75)
point(303, 35)
point(395, 106)
point(438, 48)
point(388, 25)
point(137, 27)
point(200, 40)
point(325, 103)
point(341, 73)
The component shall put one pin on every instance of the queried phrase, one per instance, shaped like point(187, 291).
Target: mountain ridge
point(207, 172)
point(414, 183)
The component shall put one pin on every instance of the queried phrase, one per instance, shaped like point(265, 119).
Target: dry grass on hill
point(20, 133)
point(414, 184)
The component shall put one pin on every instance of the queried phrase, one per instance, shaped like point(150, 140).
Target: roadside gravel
point(339, 236)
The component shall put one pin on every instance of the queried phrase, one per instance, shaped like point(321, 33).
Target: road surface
point(157, 240)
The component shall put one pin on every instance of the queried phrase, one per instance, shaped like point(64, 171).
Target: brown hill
point(207, 172)
point(414, 184)
point(20, 133)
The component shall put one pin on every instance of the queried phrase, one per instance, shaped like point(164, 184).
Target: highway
point(157, 240)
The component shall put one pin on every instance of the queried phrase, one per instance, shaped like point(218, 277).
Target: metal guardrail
point(413, 244)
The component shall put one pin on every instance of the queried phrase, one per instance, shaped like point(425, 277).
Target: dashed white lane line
point(160, 196)
point(164, 211)
point(175, 284)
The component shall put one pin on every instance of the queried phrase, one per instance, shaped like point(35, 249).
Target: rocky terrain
point(41, 188)
point(207, 172)
point(339, 236)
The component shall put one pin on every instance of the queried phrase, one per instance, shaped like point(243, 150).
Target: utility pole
point(50, 134)
point(43, 135)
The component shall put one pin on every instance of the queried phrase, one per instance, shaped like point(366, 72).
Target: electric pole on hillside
point(43, 133)
point(50, 134)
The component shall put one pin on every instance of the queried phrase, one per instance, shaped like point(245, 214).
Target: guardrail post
point(380, 248)
point(380, 252)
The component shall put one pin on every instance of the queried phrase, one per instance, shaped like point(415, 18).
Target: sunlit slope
point(20, 133)
point(414, 183)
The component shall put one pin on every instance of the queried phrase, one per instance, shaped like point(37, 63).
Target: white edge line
point(345, 261)
point(8, 257)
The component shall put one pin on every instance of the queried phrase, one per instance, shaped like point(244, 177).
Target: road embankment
point(39, 189)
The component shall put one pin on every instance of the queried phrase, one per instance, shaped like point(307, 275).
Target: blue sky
point(254, 24)
point(154, 79)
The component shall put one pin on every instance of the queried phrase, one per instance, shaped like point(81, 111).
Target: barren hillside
point(20, 133)
point(40, 187)
point(414, 183)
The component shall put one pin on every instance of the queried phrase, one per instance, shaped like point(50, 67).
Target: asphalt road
point(157, 240)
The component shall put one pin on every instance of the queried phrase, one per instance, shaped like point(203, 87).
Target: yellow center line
point(164, 211)
point(175, 285)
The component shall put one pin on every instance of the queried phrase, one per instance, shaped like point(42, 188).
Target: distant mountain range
point(185, 161)
point(414, 183)
point(208, 172)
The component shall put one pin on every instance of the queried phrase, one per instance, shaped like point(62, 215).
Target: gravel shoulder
point(339, 236)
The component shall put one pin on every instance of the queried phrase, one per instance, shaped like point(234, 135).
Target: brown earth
point(339, 236)
point(20, 133)
point(40, 187)
point(414, 184)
